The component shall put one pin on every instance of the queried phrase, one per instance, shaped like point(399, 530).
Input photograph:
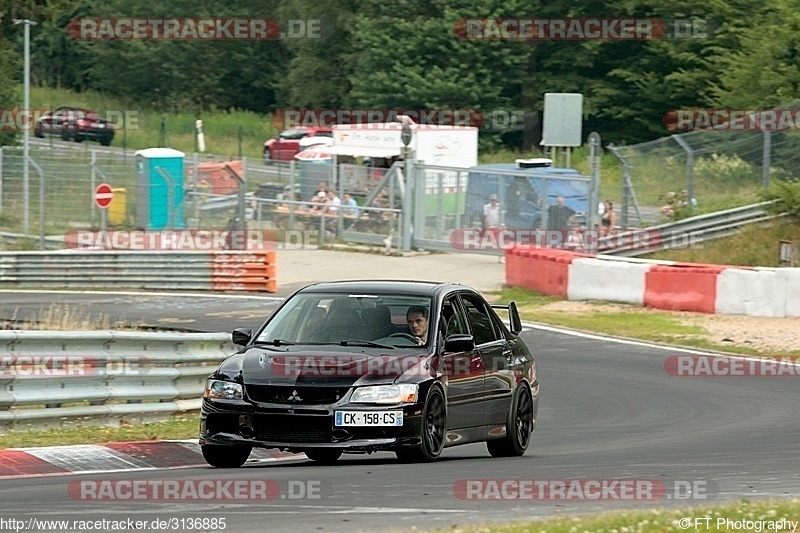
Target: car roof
point(410, 287)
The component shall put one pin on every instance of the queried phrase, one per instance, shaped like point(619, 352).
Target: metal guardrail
point(57, 378)
point(166, 270)
point(694, 230)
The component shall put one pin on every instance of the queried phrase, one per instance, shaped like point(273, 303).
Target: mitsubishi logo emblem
point(294, 397)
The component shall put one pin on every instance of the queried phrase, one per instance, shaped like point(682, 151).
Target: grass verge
point(185, 427)
point(745, 515)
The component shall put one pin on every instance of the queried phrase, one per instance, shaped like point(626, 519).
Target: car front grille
point(292, 428)
point(295, 395)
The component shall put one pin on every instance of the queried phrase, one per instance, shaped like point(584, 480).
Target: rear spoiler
point(514, 322)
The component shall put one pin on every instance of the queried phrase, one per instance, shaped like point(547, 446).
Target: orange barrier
point(244, 271)
point(682, 288)
point(213, 178)
point(544, 270)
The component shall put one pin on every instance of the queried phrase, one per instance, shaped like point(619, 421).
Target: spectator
point(349, 206)
point(668, 209)
point(560, 216)
point(609, 219)
point(492, 216)
point(323, 188)
point(685, 201)
point(318, 202)
point(333, 203)
point(574, 240)
point(491, 213)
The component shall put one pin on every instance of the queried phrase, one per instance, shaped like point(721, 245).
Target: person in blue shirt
point(349, 206)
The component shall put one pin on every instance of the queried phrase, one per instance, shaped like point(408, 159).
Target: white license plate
point(369, 418)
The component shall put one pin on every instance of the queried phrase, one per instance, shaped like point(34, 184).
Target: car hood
point(258, 366)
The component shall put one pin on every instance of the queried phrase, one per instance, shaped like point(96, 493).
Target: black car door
point(494, 351)
point(463, 371)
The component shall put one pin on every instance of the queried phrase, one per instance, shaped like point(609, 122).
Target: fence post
point(689, 166)
point(292, 196)
point(93, 185)
point(41, 202)
point(766, 160)
point(594, 184)
point(626, 184)
point(409, 206)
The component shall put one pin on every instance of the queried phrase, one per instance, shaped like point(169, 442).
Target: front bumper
point(295, 428)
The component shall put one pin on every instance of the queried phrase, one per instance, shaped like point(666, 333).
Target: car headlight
point(385, 394)
point(223, 390)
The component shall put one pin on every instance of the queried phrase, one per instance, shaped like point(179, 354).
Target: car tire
point(519, 427)
point(225, 456)
point(105, 142)
point(432, 432)
point(267, 156)
point(38, 134)
point(65, 136)
point(78, 138)
point(325, 456)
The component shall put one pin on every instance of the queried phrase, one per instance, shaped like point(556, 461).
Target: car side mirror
point(459, 343)
point(241, 336)
point(514, 319)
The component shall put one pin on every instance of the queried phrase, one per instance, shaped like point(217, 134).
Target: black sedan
point(361, 366)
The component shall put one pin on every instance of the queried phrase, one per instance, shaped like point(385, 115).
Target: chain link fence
point(713, 169)
point(404, 206)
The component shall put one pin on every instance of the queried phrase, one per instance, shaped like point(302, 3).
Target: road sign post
point(103, 195)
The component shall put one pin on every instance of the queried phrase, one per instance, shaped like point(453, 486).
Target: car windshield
point(293, 134)
point(345, 319)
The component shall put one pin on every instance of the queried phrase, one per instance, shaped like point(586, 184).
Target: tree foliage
point(411, 55)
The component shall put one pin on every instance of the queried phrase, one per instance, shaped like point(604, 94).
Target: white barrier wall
point(759, 292)
point(791, 284)
point(613, 281)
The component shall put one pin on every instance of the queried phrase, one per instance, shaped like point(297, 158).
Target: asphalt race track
point(608, 411)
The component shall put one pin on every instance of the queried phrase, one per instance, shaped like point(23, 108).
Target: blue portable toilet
point(159, 189)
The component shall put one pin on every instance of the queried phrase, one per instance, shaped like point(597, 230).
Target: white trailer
point(451, 146)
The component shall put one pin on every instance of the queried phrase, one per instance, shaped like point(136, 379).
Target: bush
point(787, 196)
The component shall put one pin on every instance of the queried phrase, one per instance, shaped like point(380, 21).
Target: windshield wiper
point(359, 342)
point(274, 342)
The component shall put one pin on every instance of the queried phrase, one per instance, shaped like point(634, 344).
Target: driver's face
point(417, 324)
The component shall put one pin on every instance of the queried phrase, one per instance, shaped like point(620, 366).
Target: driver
point(417, 318)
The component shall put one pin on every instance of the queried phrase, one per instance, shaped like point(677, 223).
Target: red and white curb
point(113, 457)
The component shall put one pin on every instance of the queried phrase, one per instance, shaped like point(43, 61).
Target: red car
point(74, 123)
point(286, 145)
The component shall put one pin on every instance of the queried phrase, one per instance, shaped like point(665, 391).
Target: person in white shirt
point(333, 204)
point(492, 218)
point(491, 213)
